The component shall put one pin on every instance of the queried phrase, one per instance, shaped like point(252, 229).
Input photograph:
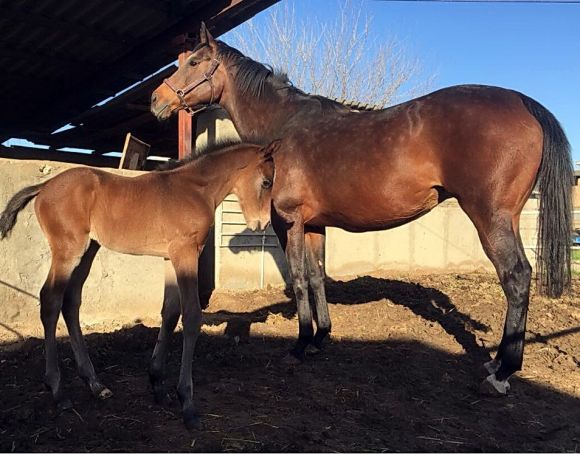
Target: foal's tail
point(14, 206)
point(554, 182)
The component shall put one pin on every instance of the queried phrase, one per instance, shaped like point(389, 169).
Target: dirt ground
point(400, 373)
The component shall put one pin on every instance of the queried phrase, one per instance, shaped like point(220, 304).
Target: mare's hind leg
point(314, 243)
point(51, 300)
point(503, 246)
point(169, 318)
point(70, 311)
point(185, 261)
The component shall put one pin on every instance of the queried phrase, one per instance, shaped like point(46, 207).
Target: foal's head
point(199, 80)
point(253, 186)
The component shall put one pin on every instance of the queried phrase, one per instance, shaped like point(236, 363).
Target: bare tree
point(338, 58)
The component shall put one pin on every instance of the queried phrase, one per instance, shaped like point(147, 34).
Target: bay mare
point(165, 214)
point(485, 146)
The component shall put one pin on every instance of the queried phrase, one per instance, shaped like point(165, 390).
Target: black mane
point(261, 81)
point(218, 146)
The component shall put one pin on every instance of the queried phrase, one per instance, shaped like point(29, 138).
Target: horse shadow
point(389, 395)
point(428, 303)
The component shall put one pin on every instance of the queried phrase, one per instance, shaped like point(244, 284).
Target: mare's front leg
point(315, 240)
point(185, 261)
point(295, 254)
point(169, 318)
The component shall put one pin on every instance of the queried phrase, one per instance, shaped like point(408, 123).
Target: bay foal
point(165, 214)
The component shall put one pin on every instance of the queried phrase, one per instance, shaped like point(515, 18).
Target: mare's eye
point(266, 184)
point(192, 62)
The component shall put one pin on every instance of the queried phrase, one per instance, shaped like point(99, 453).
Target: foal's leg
point(504, 248)
point(51, 299)
point(295, 253)
point(70, 312)
point(314, 242)
point(169, 318)
point(185, 262)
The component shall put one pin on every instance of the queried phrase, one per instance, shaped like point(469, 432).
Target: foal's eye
point(266, 184)
point(192, 62)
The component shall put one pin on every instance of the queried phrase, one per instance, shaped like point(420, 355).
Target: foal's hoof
point(192, 421)
point(100, 391)
point(162, 397)
point(105, 393)
point(493, 387)
point(492, 366)
point(64, 404)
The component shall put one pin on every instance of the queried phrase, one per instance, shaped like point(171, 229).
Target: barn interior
point(77, 75)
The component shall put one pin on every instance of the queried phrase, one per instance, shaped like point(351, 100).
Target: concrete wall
point(119, 286)
point(444, 240)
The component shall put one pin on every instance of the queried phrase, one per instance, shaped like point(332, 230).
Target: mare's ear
point(205, 36)
point(269, 150)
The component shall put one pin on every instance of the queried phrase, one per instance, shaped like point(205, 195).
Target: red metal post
point(186, 123)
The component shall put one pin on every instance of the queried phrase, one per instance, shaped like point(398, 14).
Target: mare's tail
point(14, 206)
point(554, 180)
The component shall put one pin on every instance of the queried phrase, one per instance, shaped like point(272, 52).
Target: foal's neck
point(215, 174)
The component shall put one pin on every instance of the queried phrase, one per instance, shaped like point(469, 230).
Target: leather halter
point(182, 92)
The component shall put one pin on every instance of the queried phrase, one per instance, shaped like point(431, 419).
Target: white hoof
point(492, 366)
point(491, 386)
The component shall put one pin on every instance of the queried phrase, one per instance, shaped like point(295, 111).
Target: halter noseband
point(182, 92)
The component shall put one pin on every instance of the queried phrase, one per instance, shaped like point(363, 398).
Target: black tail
point(14, 206)
point(554, 182)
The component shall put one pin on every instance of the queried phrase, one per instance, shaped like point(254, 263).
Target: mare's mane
point(257, 80)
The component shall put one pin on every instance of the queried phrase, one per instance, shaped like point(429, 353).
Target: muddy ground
point(400, 373)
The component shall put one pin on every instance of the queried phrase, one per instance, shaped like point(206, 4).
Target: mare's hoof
point(492, 366)
point(313, 349)
point(64, 404)
point(293, 359)
point(192, 421)
point(493, 387)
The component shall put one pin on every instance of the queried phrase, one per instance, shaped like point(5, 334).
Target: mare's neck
point(259, 119)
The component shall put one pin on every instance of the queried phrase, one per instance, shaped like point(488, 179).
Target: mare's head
point(213, 73)
point(253, 185)
point(198, 81)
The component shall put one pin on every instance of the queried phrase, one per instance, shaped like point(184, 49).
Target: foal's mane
point(200, 153)
point(257, 80)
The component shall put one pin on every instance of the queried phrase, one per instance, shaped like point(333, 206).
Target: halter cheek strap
point(182, 92)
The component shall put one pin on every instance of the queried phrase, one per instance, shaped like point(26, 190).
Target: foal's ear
point(205, 36)
point(269, 150)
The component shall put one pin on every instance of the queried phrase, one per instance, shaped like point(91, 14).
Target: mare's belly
point(376, 213)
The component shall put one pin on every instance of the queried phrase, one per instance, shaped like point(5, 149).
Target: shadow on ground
point(355, 396)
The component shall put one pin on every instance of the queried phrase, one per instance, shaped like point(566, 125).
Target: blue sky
point(532, 48)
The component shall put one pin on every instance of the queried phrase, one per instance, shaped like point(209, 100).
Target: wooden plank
point(135, 153)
